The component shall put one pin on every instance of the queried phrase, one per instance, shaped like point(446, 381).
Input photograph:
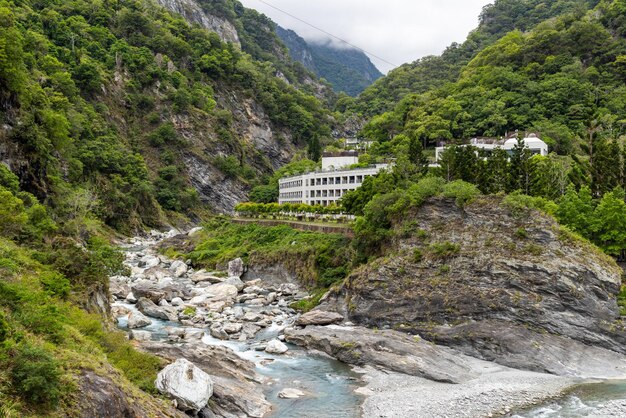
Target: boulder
point(235, 281)
point(130, 298)
point(218, 332)
point(203, 276)
point(222, 290)
point(252, 316)
point(236, 268)
point(187, 384)
point(156, 291)
point(319, 318)
point(118, 286)
point(276, 347)
point(149, 308)
point(148, 261)
point(138, 320)
point(178, 268)
point(177, 302)
point(290, 393)
point(232, 327)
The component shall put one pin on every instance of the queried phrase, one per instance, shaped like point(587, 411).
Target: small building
point(331, 183)
point(534, 144)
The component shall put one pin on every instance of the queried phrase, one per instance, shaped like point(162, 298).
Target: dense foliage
point(263, 209)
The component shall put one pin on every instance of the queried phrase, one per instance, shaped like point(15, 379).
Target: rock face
point(187, 384)
point(319, 318)
point(488, 281)
point(389, 349)
point(235, 268)
point(234, 392)
point(193, 13)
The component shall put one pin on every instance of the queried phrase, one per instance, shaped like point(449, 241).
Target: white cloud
point(398, 31)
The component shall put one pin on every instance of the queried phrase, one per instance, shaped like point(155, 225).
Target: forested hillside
point(348, 70)
point(495, 21)
point(117, 116)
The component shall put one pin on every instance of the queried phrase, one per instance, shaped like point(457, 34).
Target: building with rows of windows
point(327, 186)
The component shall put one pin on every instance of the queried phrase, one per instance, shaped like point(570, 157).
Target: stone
point(290, 393)
point(156, 291)
point(179, 268)
point(140, 335)
point(236, 268)
point(177, 302)
point(203, 276)
point(130, 298)
point(148, 261)
point(163, 302)
point(222, 290)
point(253, 289)
point(138, 320)
point(238, 312)
point(255, 282)
point(235, 281)
point(319, 318)
point(149, 308)
point(276, 347)
point(218, 332)
point(187, 384)
point(232, 327)
point(252, 316)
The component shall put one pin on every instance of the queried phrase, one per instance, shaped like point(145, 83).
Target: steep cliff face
point(507, 286)
point(193, 13)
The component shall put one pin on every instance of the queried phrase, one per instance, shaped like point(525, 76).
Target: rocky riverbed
point(264, 359)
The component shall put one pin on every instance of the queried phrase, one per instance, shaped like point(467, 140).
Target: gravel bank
point(497, 391)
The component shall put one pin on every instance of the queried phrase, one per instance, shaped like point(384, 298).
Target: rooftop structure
point(327, 186)
point(534, 144)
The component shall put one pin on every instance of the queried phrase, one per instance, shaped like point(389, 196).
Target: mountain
point(348, 70)
point(496, 20)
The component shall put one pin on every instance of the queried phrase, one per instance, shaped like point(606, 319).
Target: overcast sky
point(397, 31)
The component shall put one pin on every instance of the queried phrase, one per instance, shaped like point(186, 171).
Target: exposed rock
point(149, 261)
point(270, 274)
point(155, 291)
point(234, 393)
point(118, 286)
point(235, 281)
point(177, 302)
point(138, 320)
point(319, 318)
point(190, 386)
point(232, 327)
point(290, 393)
point(101, 397)
point(389, 349)
point(194, 231)
point(203, 276)
point(218, 332)
point(235, 268)
point(276, 347)
point(148, 308)
point(140, 335)
point(179, 268)
point(193, 13)
point(512, 287)
point(222, 290)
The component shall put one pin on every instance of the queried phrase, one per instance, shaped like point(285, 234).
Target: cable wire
point(327, 33)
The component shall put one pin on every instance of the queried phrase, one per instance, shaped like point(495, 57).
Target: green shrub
point(417, 255)
point(35, 375)
point(4, 327)
point(521, 233)
point(444, 250)
point(9, 180)
point(55, 284)
point(461, 191)
point(189, 311)
point(425, 188)
point(520, 204)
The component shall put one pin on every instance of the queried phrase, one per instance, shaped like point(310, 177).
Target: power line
point(327, 33)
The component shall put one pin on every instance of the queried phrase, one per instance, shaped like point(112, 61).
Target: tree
point(576, 210)
point(521, 168)
point(609, 222)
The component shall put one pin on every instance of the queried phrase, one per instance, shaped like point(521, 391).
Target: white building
point(534, 144)
point(327, 186)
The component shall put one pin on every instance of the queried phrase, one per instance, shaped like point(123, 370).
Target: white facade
point(534, 144)
point(339, 160)
point(324, 187)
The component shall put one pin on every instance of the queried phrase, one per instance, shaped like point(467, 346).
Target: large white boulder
point(222, 290)
point(149, 261)
point(235, 268)
point(235, 281)
point(138, 320)
point(276, 347)
point(179, 268)
point(187, 384)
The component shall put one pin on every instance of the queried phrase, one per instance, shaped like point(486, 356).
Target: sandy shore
point(497, 391)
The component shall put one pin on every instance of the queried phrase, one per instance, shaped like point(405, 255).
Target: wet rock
point(319, 318)
point(235, 268)
point(276, 347)
point(187, 384)
point(388, 349)
point(138, 320)
point(291, 393)
point(130, 298)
